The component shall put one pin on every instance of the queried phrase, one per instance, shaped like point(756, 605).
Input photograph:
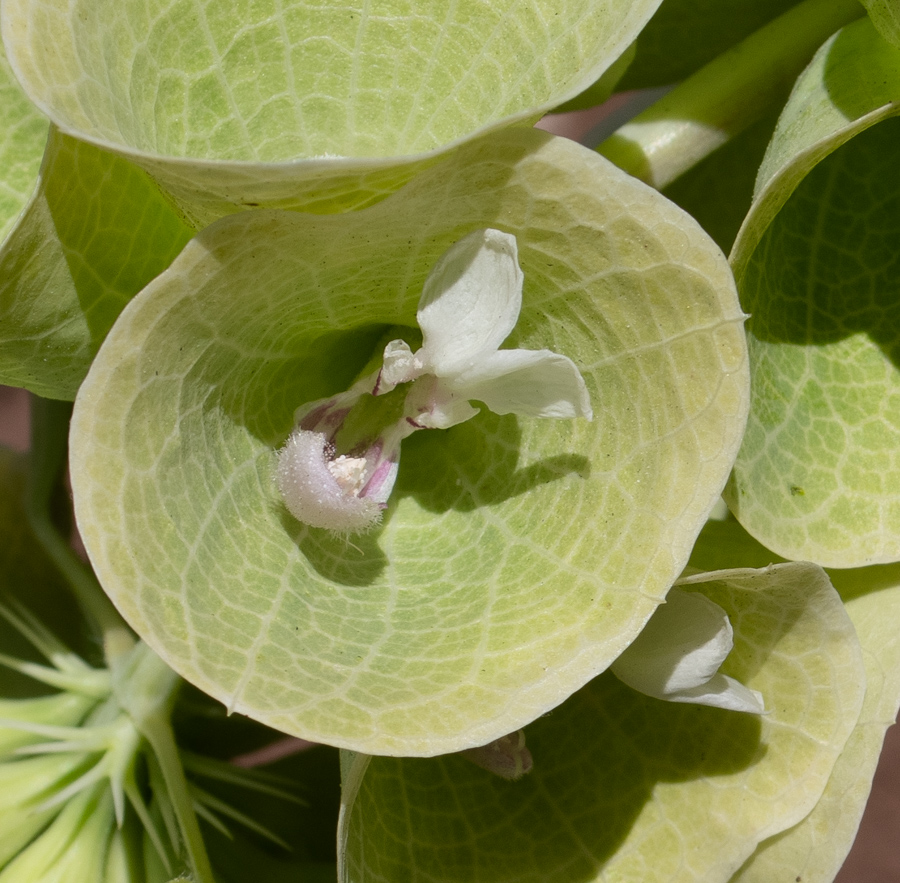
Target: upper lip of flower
point(470, 304)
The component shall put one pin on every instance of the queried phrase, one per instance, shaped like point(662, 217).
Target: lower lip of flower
point(324, 492)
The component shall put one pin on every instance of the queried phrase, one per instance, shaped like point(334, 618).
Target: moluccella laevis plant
point(478, 597)
point(323, 532)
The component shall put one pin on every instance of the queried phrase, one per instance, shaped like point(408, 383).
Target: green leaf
point(518, 556)
point(286, 104)
point(684, 35)
point(23, 133)
point(885, 15)
point(815, 849)
point(625, 787)
point(96, 231)
point(818, 475)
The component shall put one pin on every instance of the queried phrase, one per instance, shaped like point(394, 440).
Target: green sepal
point(625, 787)
point(95, 232)
point(818, 477)
point(322, 107)
point(518, 556)
point(23, 133)
point(815, 849)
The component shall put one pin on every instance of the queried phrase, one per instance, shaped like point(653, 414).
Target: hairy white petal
point(311, 491)
point(532, 383)
point(678, 654)
point(470, 302)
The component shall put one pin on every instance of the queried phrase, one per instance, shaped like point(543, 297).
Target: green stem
point(49, 446)
point(728, 95)
point(146, 688)
point(158, 732)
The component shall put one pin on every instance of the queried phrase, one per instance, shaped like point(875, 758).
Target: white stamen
point(349, 473)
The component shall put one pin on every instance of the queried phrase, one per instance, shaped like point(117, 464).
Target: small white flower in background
point(470, 303)
point(678, 655)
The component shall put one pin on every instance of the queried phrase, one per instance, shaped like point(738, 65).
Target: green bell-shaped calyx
point(23, 131)
point(324, 106)
point(628, 787)
point(517, 556)
point(818, 474)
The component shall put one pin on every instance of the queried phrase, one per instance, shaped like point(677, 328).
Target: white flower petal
point(313, 494)
point(678, 654)
point(722, 691)
point(430, 405)
point(399, 366)
point(533, 383)
point(470, 302)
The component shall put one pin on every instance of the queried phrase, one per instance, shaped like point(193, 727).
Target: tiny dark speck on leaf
point(797, 491)
point(797, 879)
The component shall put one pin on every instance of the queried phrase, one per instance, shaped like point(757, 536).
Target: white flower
point(470, 303)
point(678, 655)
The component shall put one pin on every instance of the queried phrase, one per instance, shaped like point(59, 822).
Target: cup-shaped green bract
point(517, 557)
point(23, 131)
point(324, 105)
point(626, 787)
point(815, 849)
point(95, 231)
point(818, 475)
